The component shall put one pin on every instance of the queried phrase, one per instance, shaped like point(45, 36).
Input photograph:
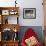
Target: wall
point(39, 13)
point(27, 4)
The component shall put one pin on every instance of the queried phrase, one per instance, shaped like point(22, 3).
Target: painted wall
point(27, 4)
point(39, 13)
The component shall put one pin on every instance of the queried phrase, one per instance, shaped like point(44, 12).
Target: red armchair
point(30, 34)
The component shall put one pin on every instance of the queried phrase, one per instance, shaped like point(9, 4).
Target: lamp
point(15, 3)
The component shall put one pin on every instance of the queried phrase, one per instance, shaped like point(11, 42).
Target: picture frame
point(5, 12)
point(13, 12)
point(29, 13)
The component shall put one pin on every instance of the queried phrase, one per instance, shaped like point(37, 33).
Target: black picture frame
point(29, 13)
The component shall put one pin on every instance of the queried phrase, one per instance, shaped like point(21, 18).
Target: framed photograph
point(29, 13)
point(5, 12)
point(12, 12)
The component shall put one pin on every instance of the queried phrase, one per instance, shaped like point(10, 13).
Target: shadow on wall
point(37, 29)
